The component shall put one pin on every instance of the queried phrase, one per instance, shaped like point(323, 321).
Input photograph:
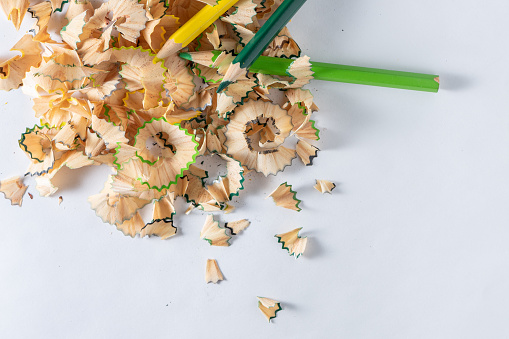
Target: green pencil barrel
point(347, 74)
point(375, 77)
point(271, 65)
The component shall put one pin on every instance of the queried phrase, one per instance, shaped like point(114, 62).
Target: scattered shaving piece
point(212, 272)
point(13, 70)
point(113, 207)
point(284, 196)
point(30, 195)
point(57, 5)
point(71, 32)
point(306, 152)
point(13, 189)
point(42, 12)
point(268, 307)
point(133, 226)
point(213, 233)
point(15, 10)
point(60, 199)
point(126, 16)
point(215, 197)
point(44, 186)
point(37, 145)
point(236, 226)
point(292, 242)
point(76, 7)
point(324, 186)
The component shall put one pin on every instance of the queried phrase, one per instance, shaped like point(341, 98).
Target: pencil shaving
point(15, 10)
point(13, 189)
point(324, 186)
point(237, 226)
point(213, 233)
point(212, 272)
point(284, 196)
point(268, 307)
point(292, 242)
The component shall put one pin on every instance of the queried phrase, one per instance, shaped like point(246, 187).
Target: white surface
point(414, 242)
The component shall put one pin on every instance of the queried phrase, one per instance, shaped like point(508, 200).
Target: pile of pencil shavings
point(103, 97)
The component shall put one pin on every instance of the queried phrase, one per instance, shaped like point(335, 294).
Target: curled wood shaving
point(269, 307)
point(324, 186)
point(13, 70)
point(15, 10)
point(42, 12)
point(292, 242)
point(133, 226)
point(213, 233)
point(162, 220)
point(306, 152)
point(236, 226)
point(284, 196)
point(13, 189)
point(57, 5)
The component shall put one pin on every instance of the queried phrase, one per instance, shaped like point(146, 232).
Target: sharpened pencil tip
point(186, 56)
point(223, 85)
point(170, 47)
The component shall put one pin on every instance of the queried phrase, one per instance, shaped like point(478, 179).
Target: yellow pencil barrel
point(198, 23)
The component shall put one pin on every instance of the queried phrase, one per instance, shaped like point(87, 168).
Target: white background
point(414, 242)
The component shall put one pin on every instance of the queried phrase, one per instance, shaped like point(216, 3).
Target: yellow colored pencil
point(194, 27)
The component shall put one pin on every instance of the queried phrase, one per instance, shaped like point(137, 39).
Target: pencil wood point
point(170, 47)
point(186, 56)
point(232, 74)
point(222, 86)
point(437, 79)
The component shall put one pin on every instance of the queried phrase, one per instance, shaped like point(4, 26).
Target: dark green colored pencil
point(260, 41)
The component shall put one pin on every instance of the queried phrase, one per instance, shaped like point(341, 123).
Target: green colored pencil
point(260, 41)
point(334, 72)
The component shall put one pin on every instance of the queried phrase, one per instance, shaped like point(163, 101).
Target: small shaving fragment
point(324, 186)
point(13, 189)
point(30, 195)
point(60, 199)
point(268, 307)
point(236, 226)
point(212, 272)
point(284, 196)
point(213, 233)
point(292, 242)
